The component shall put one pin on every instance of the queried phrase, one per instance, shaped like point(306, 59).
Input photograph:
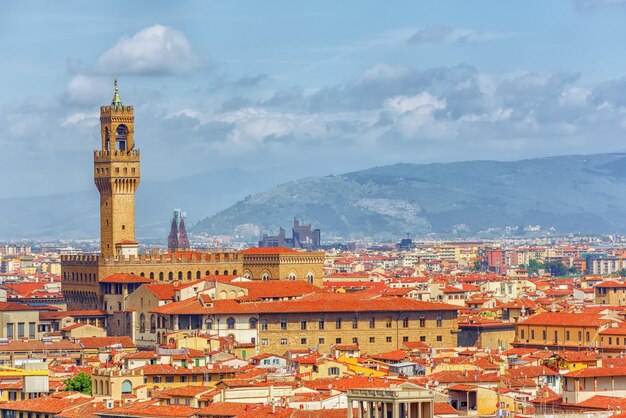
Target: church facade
point(117, 176)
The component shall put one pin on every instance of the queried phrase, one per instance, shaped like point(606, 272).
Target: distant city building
point(177, 239)
point(406, 244)
point(302, 236)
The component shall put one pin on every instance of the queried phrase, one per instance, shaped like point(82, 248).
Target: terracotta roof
point(444, 408)
point(100, 342)
point(584, 355)
point(287, 288)
point(318, 302)
point(45, 404)
point(39, 346)
point(571, 319)
point(611, 283)
point(12, 306)
point(224, 409)
point(395, 355)
point(603, 403)
point(143, 410)
point(598, 372)
point(162, 291)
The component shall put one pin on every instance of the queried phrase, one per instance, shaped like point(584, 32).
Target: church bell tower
point(116, 174)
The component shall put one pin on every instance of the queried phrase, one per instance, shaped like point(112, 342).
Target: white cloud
point(155, 50)
point(81, 119)
point(425, 101)
point(435, 34)
point(88, 89)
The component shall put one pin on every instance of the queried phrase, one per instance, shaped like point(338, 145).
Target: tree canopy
point(79, 383)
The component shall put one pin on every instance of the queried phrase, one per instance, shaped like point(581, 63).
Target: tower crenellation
point(117, 176)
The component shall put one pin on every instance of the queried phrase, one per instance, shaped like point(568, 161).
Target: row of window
point(321, 324)
point(544, 335)
point(305, 324)
point(117, 170)
point(184, 379)
point(610, 340)
point(355, 340)
point(21, 327)
point(170, 275)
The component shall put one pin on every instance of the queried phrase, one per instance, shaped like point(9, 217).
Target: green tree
point(622, 273)
point(556, 268)
point(79, 383)
point(478, 266)
point(534, 266)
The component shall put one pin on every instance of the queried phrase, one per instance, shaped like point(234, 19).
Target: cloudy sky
point(317, 87)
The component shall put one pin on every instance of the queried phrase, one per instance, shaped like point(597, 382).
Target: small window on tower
point(120, 137)
point(117, 170)
point(123, 227)
point(125, 170)
point(132, 170)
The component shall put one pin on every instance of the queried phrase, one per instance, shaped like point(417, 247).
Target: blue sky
point(316, 87)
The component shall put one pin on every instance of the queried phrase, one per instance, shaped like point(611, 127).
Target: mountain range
point(568, 194)
point(571, 194)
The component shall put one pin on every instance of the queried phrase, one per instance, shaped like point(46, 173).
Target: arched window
point(127, 387)
point(198, 275)
point(151, 275)
point(189, 275)
point(309, 277)
point(292, 276)
point(121, 135)
point(225, 272)
point(180, 275)
point(142, 274)
point(253, 323)
point(265, 277)
point(209, 324)
point(207, 273)
point(152, 323)
point(234, 272)
point(107, 139)
point(170, 275)
point(161, 276)
point(142, 323)
point(217, 273)
point(230, 323)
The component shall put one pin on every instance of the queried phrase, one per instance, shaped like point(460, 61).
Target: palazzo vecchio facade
point(117, 175)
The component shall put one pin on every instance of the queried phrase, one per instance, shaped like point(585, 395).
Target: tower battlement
point(117, 155)
point(190, 257)
point(111, 110)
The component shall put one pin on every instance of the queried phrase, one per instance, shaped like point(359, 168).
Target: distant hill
point(573, 194)
point(76, 215)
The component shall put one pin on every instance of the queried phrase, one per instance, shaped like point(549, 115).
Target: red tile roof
point(598, 372)
point(162, 291)
point(318, 302)
point(269, 250)
point(571, 319)
point(100, 342)
point(45, 404)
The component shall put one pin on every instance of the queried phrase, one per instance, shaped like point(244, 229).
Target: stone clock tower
point(116, 174)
